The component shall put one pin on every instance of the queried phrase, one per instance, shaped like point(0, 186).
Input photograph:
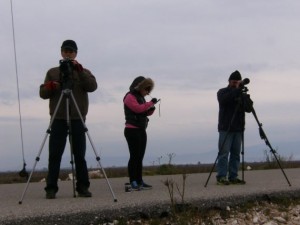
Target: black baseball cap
point(69, 44)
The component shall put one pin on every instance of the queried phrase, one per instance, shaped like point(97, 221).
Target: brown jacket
point(83, 83)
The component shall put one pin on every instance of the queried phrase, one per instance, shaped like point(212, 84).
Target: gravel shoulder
point(65, 209)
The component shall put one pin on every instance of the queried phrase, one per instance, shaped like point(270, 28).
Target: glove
point(78, 67)
point(151, 109)
point(154, 100)
point(50, 85)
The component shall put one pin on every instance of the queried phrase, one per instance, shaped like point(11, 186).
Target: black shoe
point(237, 181)
point(50, 194)
point(85, 193)
point(145, 186)
point(222, 181)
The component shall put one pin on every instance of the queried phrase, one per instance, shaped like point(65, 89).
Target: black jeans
point(137, 141)
point(57, 143)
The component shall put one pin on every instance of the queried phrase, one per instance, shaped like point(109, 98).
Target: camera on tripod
point(66, 67)
point(242, 86)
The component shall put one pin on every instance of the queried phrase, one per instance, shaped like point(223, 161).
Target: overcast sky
point(189, 48)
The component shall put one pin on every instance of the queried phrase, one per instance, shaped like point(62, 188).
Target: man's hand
point(78, 66)
point(51, 85)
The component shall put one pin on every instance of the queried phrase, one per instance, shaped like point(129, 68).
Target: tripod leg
point(41, 148)
point(36, 160)
point(220, 149)
point(72, 165)
point(273, 151)
point(212, 169)
point(265, 138)
point(93, 147)
point(71, 143)
point(103, 171)
point(243, 156)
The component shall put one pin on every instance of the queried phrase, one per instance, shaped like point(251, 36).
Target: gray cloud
point(189, 48)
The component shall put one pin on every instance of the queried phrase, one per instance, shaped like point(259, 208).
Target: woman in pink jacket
point(136, 111)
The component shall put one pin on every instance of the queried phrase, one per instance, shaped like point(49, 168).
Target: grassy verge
point(165, 169)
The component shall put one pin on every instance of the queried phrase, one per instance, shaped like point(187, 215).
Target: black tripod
point(263, 136)
point(67, 93)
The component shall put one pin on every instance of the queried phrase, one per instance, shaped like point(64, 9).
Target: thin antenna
point(17, 78)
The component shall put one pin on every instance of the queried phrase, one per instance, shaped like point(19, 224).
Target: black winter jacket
point(231, 100)
point(137, 119)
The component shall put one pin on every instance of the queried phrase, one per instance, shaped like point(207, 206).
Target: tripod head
point(244, 89)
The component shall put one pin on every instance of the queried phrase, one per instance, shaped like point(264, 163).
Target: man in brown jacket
point(69, 76)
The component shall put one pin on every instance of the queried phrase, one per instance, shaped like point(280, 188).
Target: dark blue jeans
point(232, 149)
point(137, 141)
point(57, 143)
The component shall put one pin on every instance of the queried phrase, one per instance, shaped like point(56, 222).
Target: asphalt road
point(67, 209)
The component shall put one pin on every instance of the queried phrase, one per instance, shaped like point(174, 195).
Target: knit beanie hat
point(235, 76)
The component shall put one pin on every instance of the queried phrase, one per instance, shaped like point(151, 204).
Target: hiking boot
point(50, 194)
point(145, 186)
point(85, 193)
point(237, 181)
point(135, 186)
point(222, 181)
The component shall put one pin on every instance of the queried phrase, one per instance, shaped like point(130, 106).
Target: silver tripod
point(67, 93)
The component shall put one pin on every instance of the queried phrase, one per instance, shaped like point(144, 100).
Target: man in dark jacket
point(70, 75)
point(232, 106)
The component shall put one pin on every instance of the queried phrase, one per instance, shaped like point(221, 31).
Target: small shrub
point(166, 169)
